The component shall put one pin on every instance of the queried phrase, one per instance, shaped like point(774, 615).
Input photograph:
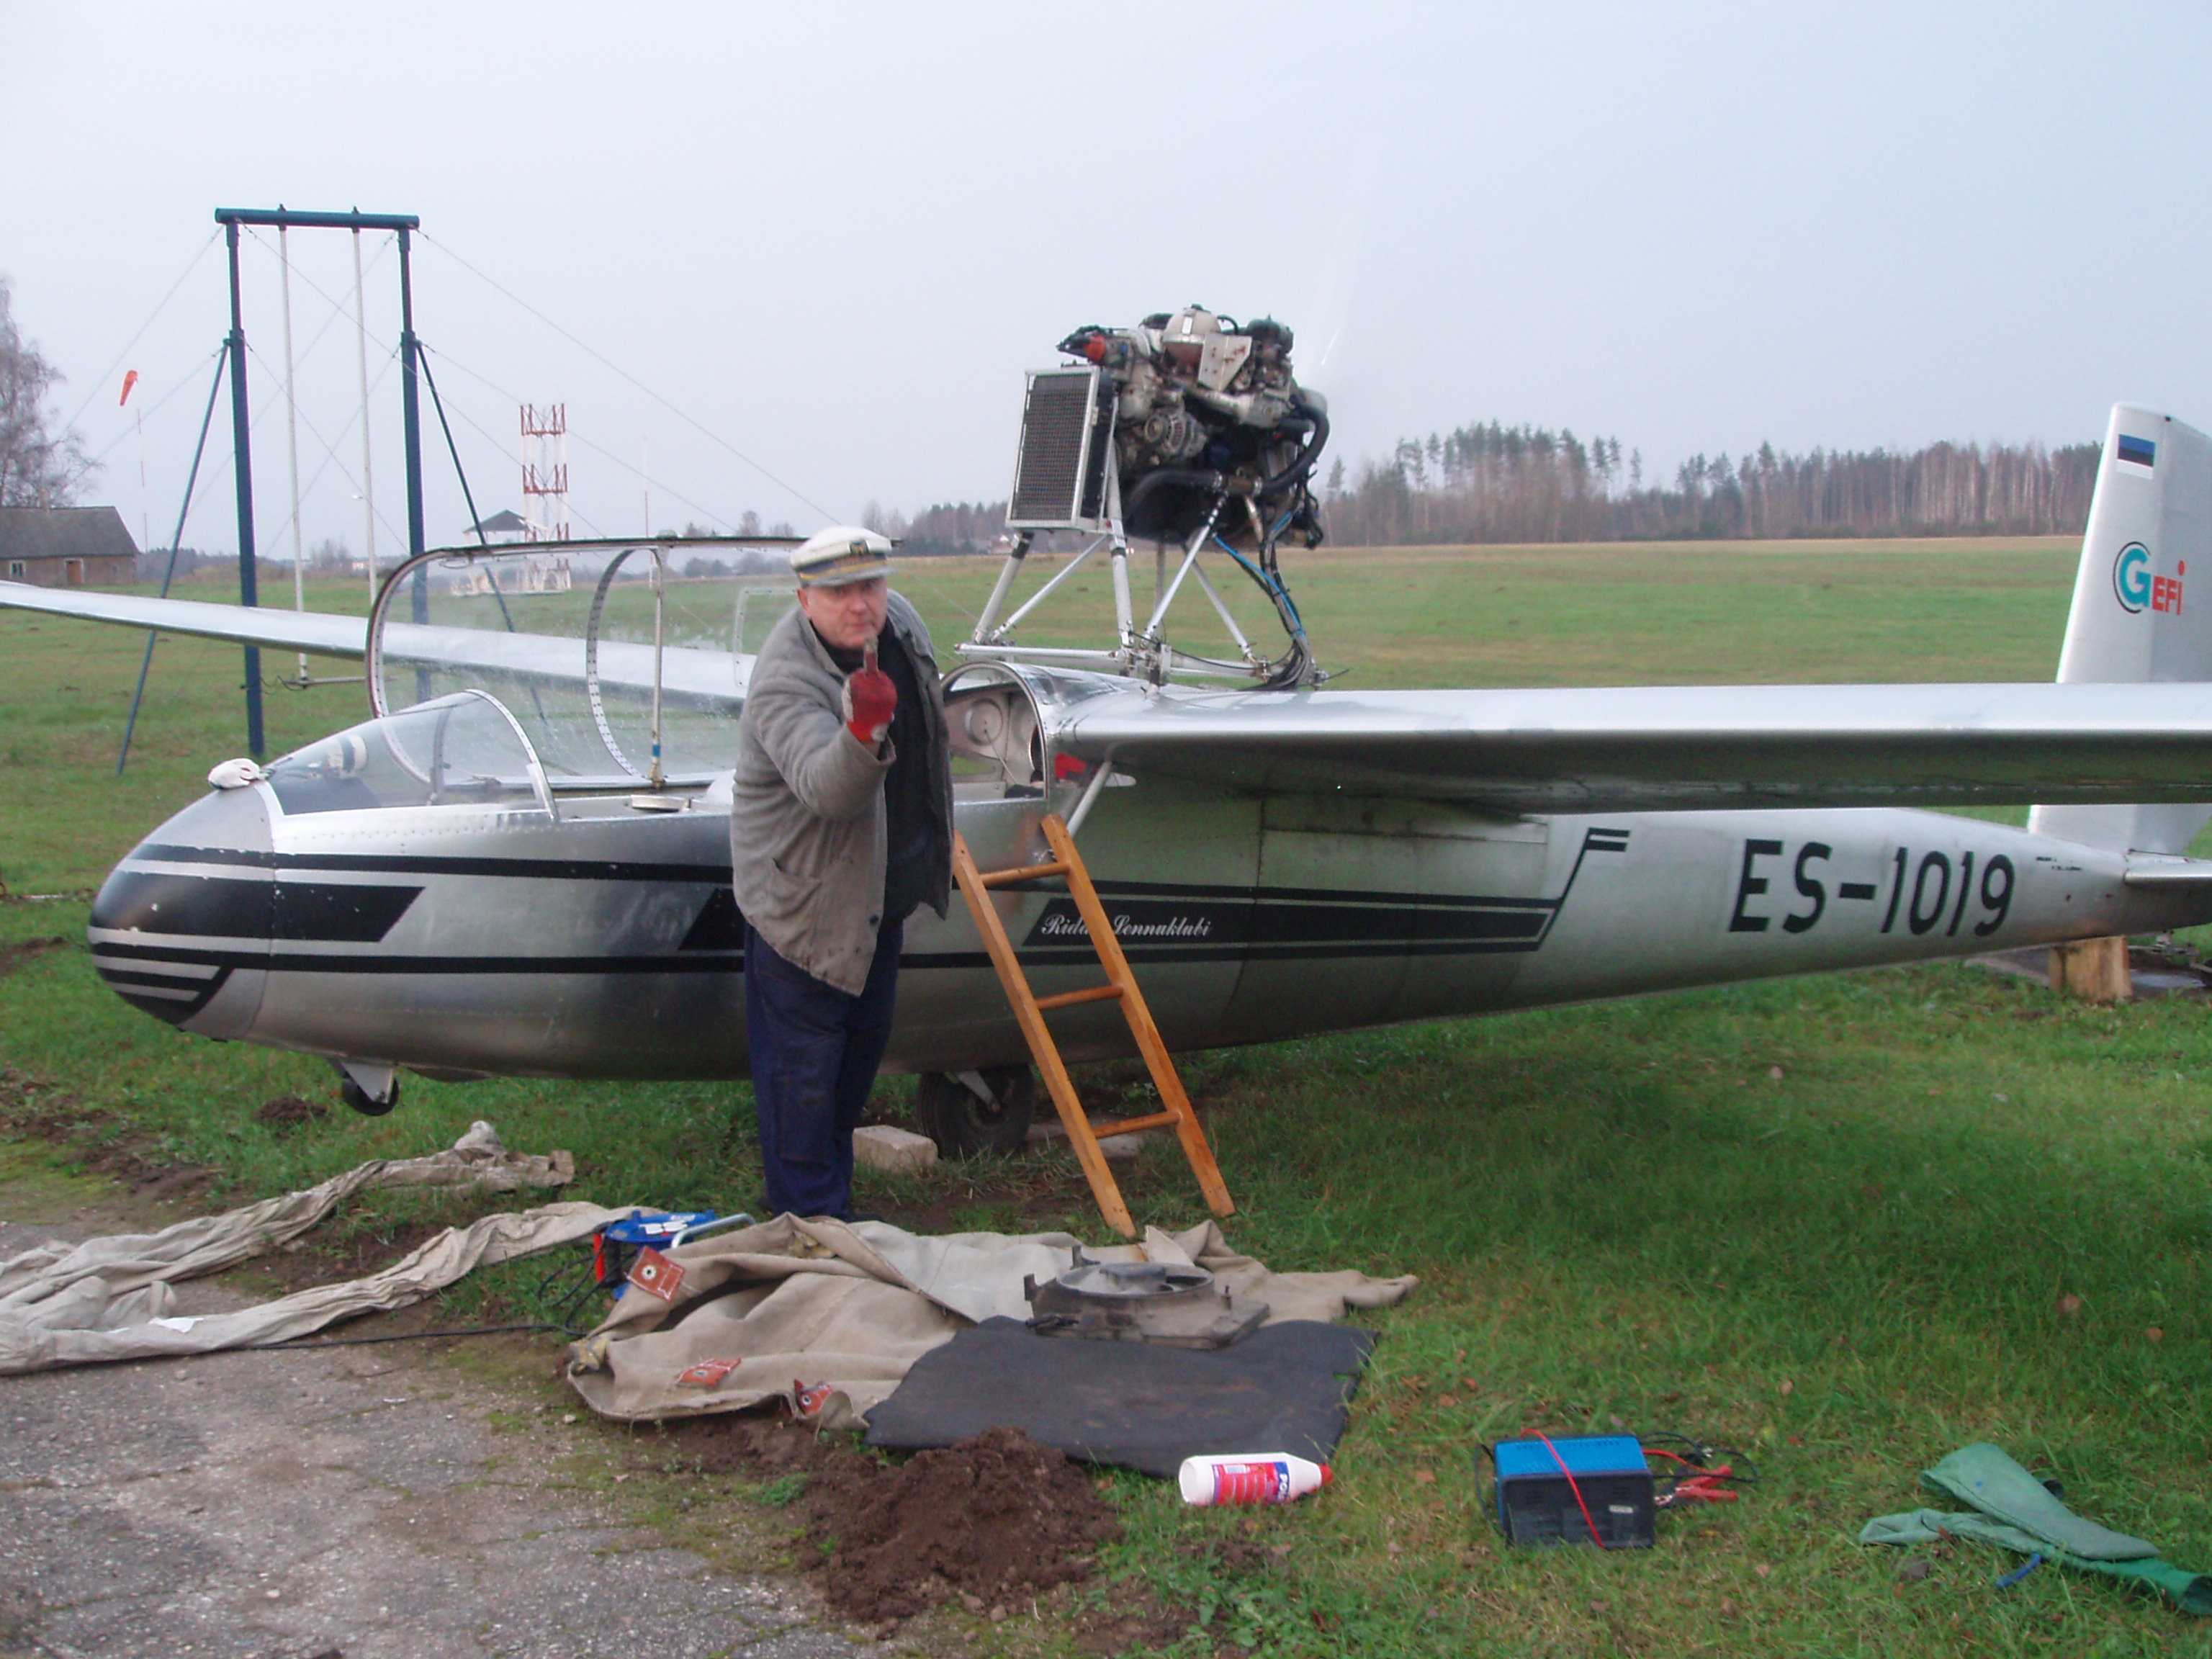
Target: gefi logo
point(2138, 590)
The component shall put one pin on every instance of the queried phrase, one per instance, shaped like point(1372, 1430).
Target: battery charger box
point(1537, 1501)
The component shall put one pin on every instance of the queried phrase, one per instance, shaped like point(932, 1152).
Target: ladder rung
point(1025, 872)
point(1121, 987)
point(1129, 1126)
point(1093, 994)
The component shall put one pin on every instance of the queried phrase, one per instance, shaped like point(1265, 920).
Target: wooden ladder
point(1121, 987)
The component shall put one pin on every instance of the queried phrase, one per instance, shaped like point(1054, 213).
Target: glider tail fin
point(2142, 613)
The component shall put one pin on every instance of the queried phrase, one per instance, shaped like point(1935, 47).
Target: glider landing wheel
point(962, 1124)
point(364, 1102)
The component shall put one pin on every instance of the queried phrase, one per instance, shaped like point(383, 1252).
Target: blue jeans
point(814, 1052)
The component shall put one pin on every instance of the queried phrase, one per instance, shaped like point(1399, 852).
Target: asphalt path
point(356, 1502)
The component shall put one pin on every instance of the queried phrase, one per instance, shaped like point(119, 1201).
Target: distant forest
point(952, 527)
point(1500, 483)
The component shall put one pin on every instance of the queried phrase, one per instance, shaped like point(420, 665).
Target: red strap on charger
point(1573, 1488)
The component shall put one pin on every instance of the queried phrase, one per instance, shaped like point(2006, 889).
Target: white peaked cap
point(840, 556)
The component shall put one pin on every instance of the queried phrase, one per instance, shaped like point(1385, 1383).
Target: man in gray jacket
point(841, 824)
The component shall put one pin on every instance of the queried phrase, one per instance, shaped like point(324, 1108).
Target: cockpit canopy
point(464, 749)
point(617, 661)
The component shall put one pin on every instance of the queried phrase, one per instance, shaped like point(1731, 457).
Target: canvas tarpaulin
point(109, 1299)
point(837, 1313)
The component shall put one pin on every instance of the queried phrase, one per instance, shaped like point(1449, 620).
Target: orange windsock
point(129, 381)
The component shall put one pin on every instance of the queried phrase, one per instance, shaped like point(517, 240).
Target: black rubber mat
point(1284, 1388)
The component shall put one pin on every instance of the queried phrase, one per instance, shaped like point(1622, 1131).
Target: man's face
point(849, 616)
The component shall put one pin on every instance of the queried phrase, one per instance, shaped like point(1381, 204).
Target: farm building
point(66, 547)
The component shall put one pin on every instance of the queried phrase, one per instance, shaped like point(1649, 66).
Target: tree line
point(949, 527)
point(1499, 483)
point(1527, 484)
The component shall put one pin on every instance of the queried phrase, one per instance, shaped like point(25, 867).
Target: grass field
point(1844, 1224)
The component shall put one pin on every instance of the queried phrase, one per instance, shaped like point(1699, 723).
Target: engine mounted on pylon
point(1189, 429)
point(1202, 405)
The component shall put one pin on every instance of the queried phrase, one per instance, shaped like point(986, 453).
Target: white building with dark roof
point(504, 526)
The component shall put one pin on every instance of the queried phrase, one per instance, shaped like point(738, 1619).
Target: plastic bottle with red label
point(1249, 1477)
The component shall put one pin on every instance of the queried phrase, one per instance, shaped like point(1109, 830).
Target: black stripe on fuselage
point(230, 907)
point(732, 962)
point(1084, 957)
point(172, 997)
point(424, 864)
point(1166, 922)
point(331, 961)
point(1170, 890)
point(718, 926)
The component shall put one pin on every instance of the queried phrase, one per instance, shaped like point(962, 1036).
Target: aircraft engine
point(1203, 405)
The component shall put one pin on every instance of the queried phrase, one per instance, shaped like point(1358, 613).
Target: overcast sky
point(835, 236)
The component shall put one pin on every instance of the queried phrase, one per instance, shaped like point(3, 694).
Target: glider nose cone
point(181, 928)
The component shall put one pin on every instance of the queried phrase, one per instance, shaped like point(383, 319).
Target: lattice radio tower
point(545, 473)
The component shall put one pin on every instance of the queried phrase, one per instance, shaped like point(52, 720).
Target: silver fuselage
point(599, 940)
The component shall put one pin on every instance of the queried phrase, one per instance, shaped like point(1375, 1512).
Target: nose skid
point(182, 927)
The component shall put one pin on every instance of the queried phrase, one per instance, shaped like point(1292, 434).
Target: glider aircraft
point(519, 863)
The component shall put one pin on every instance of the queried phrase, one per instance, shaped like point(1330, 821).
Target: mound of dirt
point(290, 1111)
point(993, 1517)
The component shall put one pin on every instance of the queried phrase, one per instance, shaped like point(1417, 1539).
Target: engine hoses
point(1190, 477)
point(1291, 668)
point(1302, 465)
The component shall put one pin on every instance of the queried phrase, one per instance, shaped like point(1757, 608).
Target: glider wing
point(1660, 748)
point(689, 675)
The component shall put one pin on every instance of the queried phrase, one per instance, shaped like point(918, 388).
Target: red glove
point(871, 700)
